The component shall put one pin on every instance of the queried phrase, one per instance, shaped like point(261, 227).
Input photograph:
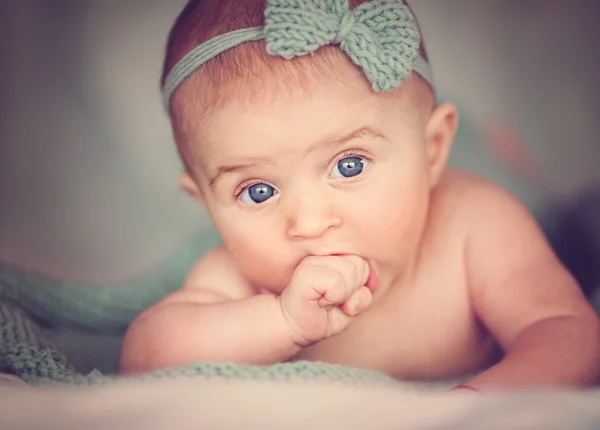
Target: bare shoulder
point(214, 278)
point(492, 226)
point(475, 203)
point(456, 185)
point(502, 239)
point(216, 271)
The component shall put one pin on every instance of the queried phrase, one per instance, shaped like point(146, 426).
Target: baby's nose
point(310, 218)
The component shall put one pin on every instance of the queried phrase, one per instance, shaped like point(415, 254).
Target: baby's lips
point(372, 279)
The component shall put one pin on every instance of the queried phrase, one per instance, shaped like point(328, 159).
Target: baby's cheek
point(396, 220)
point(261, 259)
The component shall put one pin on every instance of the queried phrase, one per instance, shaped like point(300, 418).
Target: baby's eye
point(349, 167)
point(257, 193)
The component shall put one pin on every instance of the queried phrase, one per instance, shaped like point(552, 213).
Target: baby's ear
point(439, 135)
point(187, 184)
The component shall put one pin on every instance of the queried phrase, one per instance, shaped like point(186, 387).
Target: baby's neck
point(400, 280)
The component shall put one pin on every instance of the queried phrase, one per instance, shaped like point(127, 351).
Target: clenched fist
point(324, 295)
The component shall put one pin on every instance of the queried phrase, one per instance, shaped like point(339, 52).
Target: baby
point(311, 134)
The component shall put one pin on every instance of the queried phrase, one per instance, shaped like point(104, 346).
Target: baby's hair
point(240, 71)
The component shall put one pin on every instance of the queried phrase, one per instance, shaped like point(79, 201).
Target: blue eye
point(349, 167)
point(257, 193)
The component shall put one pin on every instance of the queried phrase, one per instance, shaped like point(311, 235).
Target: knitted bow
point(381, 36)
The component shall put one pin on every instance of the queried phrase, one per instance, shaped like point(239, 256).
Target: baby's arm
point(526, 298)
point(216, 316)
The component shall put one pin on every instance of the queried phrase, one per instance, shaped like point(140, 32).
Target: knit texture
point(32, 307)
point(381, 36)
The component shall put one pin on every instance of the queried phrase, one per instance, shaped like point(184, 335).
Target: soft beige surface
point(200, 404)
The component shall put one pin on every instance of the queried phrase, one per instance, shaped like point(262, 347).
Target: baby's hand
point(323, 296)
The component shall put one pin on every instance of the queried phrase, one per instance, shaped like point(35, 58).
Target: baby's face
point(339, 171)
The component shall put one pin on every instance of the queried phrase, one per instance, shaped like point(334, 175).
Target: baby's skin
point(365, 251)
point(347, 240)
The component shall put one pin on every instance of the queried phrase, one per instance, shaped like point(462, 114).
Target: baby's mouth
point(372, 280)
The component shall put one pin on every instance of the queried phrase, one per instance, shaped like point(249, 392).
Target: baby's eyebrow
point(334, 141)
point(229, 169)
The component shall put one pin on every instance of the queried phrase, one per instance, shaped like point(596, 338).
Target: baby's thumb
point(358, 302)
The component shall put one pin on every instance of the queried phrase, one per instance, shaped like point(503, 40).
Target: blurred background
point(88, 168)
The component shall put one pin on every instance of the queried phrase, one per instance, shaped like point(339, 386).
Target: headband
point(381, 37)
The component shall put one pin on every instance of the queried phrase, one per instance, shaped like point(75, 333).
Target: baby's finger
point(354, 270)
point(362, 269)
point(358, 302)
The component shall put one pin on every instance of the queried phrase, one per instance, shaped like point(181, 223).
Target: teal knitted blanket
point(35, 309)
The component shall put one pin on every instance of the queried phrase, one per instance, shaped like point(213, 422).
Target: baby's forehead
point(294, 131)
point(250, 130)
point(263, 103)
point(300, 115)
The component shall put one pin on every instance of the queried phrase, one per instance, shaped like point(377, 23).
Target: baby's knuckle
point(333, 279)
point(304, 269)
point(310, 275)
point(352, 264)
point(311, 260)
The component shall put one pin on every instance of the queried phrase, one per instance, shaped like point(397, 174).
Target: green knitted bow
point(381, 37)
